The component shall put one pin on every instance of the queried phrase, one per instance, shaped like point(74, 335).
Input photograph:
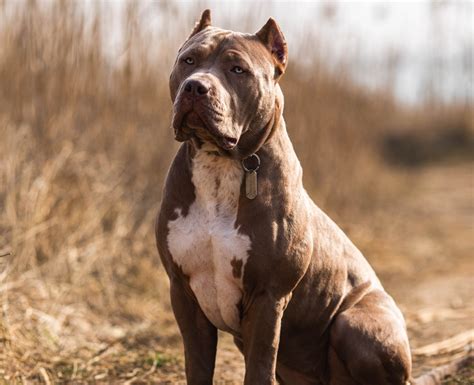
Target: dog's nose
point(196, 87)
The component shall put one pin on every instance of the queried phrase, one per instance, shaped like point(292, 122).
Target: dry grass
point(85, 145)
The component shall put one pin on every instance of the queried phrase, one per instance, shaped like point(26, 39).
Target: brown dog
point(246, 249)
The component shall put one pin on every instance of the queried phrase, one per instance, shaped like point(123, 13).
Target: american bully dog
point(246, 249)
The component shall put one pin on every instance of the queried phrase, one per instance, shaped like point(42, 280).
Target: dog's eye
point(237, 70)
point(189, 60)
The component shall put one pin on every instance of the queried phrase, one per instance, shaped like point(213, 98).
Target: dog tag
point(251, 184)
point(250, 165)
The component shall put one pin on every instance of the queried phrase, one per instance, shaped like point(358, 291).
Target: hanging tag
point(251, 188)
point(250, 166)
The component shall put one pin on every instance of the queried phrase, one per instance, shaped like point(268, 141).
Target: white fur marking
point(205, 241)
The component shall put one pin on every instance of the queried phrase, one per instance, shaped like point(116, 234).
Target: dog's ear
point(272, 37)
point(203, 23)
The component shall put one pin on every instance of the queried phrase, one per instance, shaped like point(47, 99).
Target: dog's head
point(224, 84)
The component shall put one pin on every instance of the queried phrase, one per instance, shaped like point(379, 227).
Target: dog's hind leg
point(369, 345)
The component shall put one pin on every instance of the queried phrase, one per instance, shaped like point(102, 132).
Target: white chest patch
point(206, 244)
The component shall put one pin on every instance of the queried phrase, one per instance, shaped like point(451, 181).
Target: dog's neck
point(279, 164)
point(279, 155)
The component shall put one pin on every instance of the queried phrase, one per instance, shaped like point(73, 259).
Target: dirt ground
point(420, 243)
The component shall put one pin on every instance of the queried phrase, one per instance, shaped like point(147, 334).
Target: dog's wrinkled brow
point(198, 52)
point(236, 57)
point(233, 54)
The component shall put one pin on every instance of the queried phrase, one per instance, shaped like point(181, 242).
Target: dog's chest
point(206, 243)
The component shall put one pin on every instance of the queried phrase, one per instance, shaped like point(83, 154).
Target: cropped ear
point(203, 23)
point(272, 37)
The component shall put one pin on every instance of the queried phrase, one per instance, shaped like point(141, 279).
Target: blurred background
point(379, 105)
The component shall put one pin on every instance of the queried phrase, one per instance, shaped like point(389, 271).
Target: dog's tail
point(437, 375)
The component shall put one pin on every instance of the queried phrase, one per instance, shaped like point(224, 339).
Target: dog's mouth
point(195, 124)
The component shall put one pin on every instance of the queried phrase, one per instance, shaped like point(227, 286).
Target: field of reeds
point(85, 143)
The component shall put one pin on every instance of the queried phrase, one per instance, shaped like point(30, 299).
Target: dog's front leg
point(199, 335)
point(261, 336)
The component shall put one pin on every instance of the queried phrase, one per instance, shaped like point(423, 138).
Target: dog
point(246, 249)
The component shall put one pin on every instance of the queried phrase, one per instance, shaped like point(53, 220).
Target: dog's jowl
point(246, 249)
